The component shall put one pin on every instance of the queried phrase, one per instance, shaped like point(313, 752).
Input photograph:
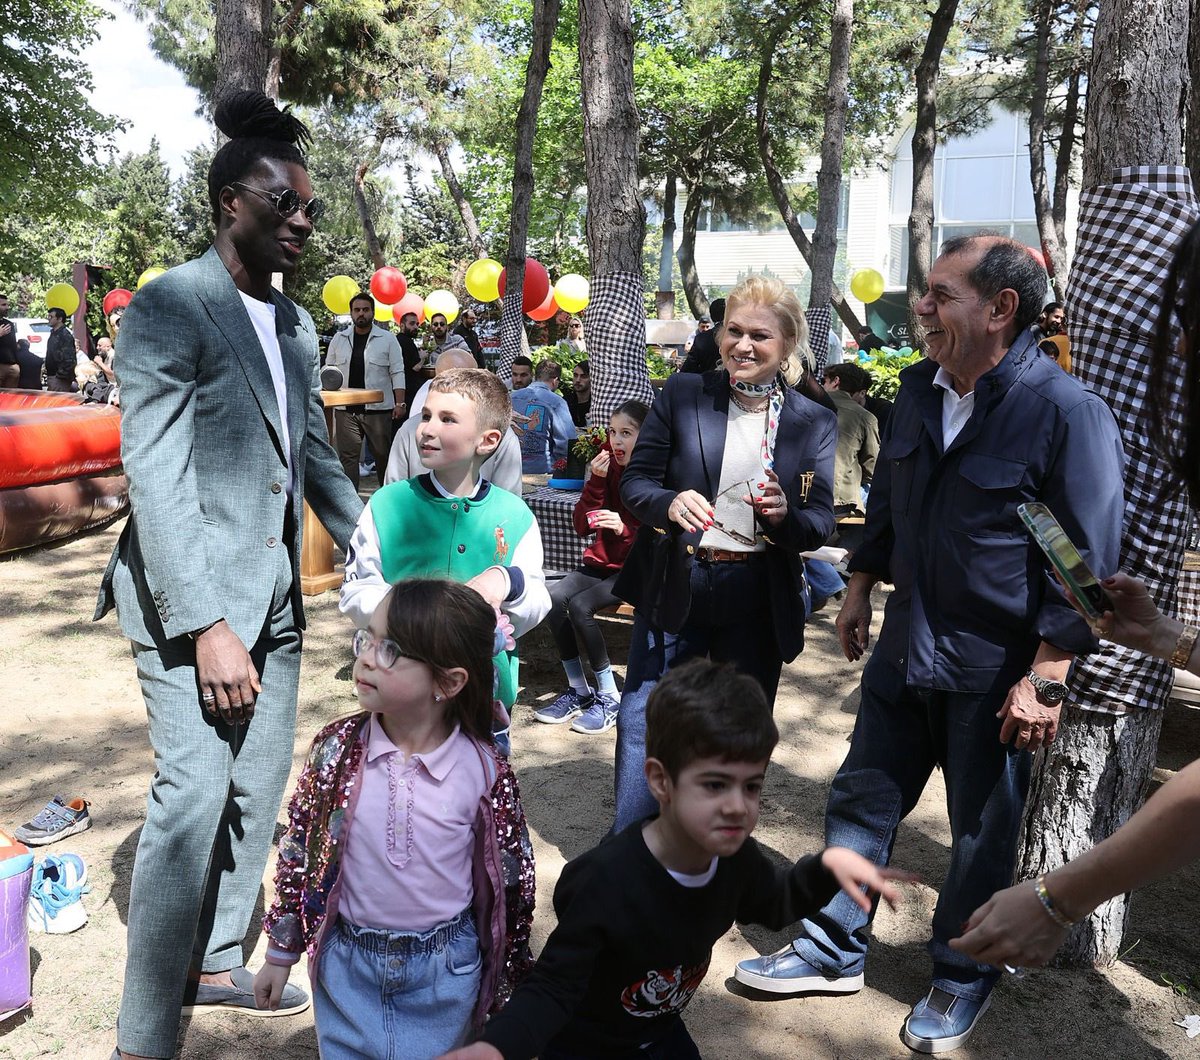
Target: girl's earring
point(437, 698)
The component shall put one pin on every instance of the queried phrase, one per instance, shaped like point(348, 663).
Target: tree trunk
point(1108, 756)
point(512, 327)
point(924, 146)
point(470, 224)
point(275, 55)
point(1138, 83)
point(1064, 160)
point(244, 38)
point(1043, 208)
point(374, 247)
point(693, 291)
point(1093, 778)
point(829, 179)
point(778, 186)
point(616, 216)
point(666, 259)
point(1192, 144)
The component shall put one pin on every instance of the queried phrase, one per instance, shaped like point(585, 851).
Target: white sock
point(605, 682)
point(578, 681)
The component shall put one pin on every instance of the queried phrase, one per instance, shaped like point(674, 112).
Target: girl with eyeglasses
point(406, 871)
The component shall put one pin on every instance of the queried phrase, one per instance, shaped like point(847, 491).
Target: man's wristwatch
point(1052, 691)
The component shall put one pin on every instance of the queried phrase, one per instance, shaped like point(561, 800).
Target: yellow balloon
point(336, 294)
point(152, 273)
point(444, 302)
point(483, 279)
point(63, 296)
point(571, 292)
point(866, 285)
point(383, 312)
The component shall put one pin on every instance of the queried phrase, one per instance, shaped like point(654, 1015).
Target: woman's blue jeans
point(729, 621)
point(900, 736)
point(396, 995)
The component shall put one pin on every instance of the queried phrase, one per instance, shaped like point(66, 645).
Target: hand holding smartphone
point(1090, 599)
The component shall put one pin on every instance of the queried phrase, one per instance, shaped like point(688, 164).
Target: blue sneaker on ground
point(942, 1021)
point(600, 716)
point(786, 972)
point(56, 895)
point(566, 708)
point(57, 820)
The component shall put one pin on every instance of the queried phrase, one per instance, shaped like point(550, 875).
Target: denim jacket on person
point(973, 594)
point(320, 815)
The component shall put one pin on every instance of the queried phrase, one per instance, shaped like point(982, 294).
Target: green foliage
point(885, 369)
point(54, 140)
point(567, 357)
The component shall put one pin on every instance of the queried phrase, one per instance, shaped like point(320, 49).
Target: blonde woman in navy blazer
point(716, 569)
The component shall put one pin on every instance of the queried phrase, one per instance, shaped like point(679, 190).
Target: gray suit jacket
point(201, 441)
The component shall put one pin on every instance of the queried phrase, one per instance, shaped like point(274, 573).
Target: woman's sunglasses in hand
point(736, 492)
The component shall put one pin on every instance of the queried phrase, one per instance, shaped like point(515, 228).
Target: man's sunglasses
point(288, 201)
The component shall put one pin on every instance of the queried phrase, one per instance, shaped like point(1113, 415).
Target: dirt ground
point(72, 722)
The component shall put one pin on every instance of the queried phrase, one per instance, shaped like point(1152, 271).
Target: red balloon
point(410, 303)
point(388, 285)
point(537, 285)
point(546, 310)
point(116, 298)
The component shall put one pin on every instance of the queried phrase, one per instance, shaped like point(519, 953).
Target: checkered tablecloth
point(553, 509)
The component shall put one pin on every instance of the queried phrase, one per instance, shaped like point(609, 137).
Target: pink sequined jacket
point(307, 882)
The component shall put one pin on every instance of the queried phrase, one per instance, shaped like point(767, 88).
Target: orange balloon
point(546, 310)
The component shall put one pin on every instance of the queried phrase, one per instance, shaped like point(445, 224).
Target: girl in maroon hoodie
point(575, 599)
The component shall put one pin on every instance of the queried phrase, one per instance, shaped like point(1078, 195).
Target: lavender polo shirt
point(407, 861)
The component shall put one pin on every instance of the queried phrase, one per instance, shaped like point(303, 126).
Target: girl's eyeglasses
point(386, 651)
point(288, 201)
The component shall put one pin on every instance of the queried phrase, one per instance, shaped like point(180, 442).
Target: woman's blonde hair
point(775, 295)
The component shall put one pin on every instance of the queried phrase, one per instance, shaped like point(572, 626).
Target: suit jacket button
point(691, 550)
point(276, 487)
point(271, 542)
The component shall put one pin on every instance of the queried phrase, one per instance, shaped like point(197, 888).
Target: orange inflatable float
point(60, 467)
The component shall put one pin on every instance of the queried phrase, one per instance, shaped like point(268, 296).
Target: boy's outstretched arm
point(853, 872)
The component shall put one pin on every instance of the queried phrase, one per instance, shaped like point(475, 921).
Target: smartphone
point(1076, 575)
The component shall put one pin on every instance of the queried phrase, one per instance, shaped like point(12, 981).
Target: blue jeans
point(823, 582)
point(900, 735)
point(729, 621)
point(396, 995)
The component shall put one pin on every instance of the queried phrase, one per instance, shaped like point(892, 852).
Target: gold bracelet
point(1183, 647)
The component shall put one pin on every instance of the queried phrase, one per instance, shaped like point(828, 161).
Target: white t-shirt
point(262, 316)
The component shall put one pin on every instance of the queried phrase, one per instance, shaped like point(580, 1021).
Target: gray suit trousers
point(210, 821)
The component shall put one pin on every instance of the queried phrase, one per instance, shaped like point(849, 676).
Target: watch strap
point(1183, 647)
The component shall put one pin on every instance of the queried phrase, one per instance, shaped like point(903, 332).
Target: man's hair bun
point(245, 114)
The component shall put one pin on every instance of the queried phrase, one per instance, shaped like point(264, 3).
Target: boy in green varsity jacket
point(451, 522)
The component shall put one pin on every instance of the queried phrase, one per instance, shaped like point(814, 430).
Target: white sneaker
point(56, 895)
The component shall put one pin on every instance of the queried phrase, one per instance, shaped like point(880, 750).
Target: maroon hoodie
point(608, 551)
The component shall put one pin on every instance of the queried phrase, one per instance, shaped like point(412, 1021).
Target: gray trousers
point(210, 821)
point(350, 428)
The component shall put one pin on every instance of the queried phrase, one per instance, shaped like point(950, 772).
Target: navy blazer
point(681, 447)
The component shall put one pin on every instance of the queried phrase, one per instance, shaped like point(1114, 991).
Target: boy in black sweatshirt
point(638, 915)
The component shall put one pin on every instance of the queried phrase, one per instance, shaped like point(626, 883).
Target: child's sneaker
point(57, 820)
point(567, 707)
point(600, 716)
point(56, 895)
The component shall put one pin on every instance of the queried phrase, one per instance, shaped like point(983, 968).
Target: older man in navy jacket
point(977, 640)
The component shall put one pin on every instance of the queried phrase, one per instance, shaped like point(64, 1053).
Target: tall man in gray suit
point(223, 437)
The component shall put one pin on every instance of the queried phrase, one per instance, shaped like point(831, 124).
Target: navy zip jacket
point(973, 593)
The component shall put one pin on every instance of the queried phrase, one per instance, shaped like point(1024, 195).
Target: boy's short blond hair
point(493, 406)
